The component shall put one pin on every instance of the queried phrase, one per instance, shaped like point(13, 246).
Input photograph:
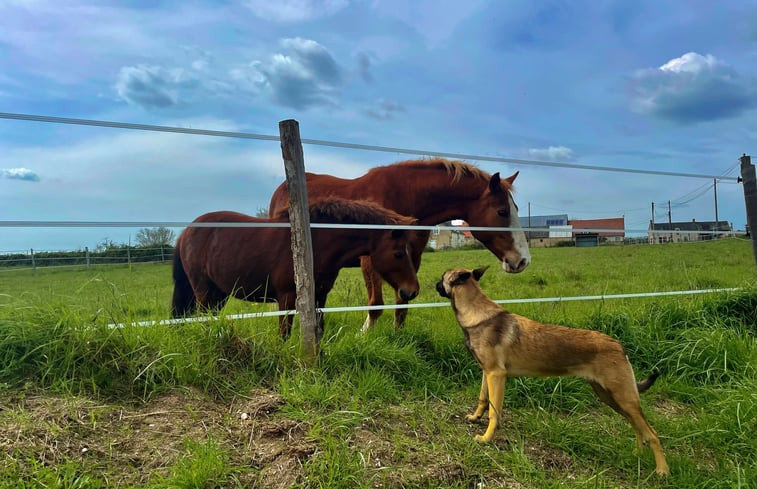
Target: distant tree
point(151, 237)
point(262, 212)
point(106, 244)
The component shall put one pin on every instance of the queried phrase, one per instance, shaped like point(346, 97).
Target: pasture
point(227, 404)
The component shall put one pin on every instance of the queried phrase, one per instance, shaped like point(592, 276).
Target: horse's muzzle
point(515, 267)
point(408, 295)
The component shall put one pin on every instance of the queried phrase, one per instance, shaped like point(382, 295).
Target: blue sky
point(646, 84)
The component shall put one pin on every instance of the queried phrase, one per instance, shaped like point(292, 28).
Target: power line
point(314, 225)
point(335, 144)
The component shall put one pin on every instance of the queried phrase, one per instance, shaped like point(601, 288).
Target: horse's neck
point(431, 197)
point(339, 249)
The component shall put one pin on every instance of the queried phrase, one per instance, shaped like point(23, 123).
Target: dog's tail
point(645, 384)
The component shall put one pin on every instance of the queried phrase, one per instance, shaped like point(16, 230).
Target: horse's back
point(226, 216)
point(319, 185)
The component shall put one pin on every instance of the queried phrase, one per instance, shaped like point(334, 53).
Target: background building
point(675, 236)
point(594, 238)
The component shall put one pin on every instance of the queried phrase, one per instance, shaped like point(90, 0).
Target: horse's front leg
point(285, 326)
point(320, 303)
point(286, 302)
point(373, 283)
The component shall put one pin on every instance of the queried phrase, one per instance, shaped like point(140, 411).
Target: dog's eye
point(504, 213)
point(399, 255)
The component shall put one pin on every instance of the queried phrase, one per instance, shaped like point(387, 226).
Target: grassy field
point(227, 404)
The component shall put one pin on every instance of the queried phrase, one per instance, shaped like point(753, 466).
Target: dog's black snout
point(408, 295)
point(440, 289)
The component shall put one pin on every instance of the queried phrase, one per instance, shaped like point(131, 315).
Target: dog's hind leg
point(623, 397)
point(483, 401)
point(495, 382)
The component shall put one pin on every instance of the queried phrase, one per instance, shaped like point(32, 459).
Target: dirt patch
point(670, 408)
point(131, 445)
point(549, 458)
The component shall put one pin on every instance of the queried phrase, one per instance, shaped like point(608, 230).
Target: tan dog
point(508, 345)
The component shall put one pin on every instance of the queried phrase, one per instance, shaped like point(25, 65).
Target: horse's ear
point(495, 185)
point(512, 177)
point(461, 278)
point(479, 272)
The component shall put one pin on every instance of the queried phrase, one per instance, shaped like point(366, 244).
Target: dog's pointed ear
point(479, 272)
point(461, 278)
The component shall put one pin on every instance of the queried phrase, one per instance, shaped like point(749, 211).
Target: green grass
point(382, 409)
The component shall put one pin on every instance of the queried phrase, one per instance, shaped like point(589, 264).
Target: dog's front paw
point(472, 417)
point(482, 438)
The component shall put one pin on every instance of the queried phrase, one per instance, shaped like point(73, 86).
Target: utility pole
point(749, 179)
point(654, 236)
point(529, 224)
point(670, 217)
point(715, 186)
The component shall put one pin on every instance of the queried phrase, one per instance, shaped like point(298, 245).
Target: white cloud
point(294, 10)
point(149, 86)
point(302, 75)
point(690, 63)
point(552, 153)
point(19, 174)
point(305, 74)
point(692, 88)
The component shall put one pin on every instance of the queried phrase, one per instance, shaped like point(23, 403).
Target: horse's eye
point(399, 255)
point(504, 213)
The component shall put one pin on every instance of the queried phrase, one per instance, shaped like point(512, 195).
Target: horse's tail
point(183, 294)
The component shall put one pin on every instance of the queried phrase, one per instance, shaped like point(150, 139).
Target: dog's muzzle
point(440, 289)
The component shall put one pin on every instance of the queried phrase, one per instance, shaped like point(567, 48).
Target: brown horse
point(433, 191)
point(255, 263)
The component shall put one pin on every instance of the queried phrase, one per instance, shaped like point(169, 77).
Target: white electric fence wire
point(203, 319)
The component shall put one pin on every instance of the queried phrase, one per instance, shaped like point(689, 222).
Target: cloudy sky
point(668, 86)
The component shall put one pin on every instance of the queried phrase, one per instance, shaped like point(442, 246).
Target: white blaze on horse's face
point(519, 258)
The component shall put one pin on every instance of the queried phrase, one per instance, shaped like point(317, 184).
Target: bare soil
point(131, 445)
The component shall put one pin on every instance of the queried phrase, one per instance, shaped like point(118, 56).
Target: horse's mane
point(458, 169)
point(344, 211)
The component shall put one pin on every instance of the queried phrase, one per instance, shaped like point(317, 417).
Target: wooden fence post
point(302, 245)
point(128, 253)
point(750, 198)
point(86, 255)
point(34, 265)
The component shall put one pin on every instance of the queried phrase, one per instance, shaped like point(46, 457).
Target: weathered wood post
point(750, 198)
point(302, 245)
point(128, 253)
point(86, 256)
point(34, 265)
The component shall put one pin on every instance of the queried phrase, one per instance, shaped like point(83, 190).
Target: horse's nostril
point(517, 267)
point(408, 295)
